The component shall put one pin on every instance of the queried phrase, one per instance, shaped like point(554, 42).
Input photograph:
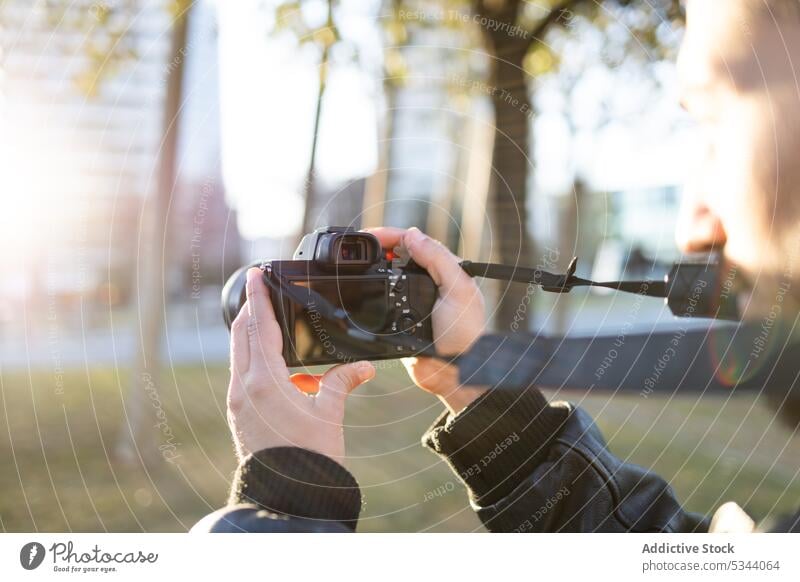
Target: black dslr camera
point(343, 298)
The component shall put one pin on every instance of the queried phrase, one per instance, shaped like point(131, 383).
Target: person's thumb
point(442, 265)
point(340, 380)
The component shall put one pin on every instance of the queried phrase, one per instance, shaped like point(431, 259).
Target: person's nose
point(699, 229)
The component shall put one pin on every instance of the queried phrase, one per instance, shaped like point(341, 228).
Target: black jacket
point(529, 466)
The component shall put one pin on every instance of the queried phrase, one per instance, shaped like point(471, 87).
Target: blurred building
point(340, 205)
point(646, 218)
point(206, 244)
point(639, 240)
point(436, 152)
point(79, 158)
point(81, 161)
point(422, 152)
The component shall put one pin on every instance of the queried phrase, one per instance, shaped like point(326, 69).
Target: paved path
point(69, 349)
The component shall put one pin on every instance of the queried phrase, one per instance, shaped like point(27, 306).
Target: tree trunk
point(377, 183)
point(511, 165)
point(478, 176)
point(442, 210)
point(138, 439)
point(311, 187)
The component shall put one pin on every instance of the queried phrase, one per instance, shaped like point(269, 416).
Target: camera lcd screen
point(364, 300)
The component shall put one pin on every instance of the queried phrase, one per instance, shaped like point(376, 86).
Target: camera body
point(380, 295)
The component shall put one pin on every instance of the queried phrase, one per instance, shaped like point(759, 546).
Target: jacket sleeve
point(531, 466)
point(288, 489)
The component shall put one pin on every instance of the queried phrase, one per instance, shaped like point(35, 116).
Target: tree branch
point(555, 15)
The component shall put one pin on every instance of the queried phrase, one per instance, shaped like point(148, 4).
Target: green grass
point(60, 473)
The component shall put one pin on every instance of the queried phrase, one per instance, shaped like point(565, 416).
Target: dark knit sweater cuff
point(298, 483)
point(497, 441)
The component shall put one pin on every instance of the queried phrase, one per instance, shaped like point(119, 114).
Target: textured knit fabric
point(299, 483)
point(495, 443)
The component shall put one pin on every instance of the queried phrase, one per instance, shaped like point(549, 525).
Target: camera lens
point(234, 295)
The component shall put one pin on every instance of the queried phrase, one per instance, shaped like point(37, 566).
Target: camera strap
point(555, 283)
point(699, 285)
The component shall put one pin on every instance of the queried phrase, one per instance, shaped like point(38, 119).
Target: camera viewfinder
point(352, 250)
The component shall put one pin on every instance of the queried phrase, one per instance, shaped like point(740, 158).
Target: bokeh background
point(150, 147)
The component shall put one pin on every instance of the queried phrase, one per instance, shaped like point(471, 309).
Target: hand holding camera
point(346, 296)
point(458, 317)
point(266, 408)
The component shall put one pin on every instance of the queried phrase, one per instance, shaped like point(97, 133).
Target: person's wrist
point(297, 482)
point(442, 380)
point(454, 395)
point(461, 397)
